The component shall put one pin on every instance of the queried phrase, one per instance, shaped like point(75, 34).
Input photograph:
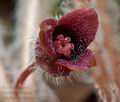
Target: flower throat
point(63, 45)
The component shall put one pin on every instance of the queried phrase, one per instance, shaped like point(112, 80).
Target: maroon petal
point(41, 54)
point(83, 22)
point(85, 61)
point(47, 28)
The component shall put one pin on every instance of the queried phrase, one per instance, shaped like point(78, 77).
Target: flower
point(62, 44)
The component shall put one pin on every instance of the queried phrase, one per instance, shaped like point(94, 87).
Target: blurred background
point(19, 27)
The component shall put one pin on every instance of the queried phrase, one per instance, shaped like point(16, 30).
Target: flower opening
point(63, 46)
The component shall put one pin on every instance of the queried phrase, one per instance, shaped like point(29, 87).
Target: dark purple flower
point(62, 44)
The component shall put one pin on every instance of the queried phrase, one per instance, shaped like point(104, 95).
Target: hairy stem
point(19, 84)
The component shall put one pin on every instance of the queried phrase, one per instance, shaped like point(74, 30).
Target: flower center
point(63, 45)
